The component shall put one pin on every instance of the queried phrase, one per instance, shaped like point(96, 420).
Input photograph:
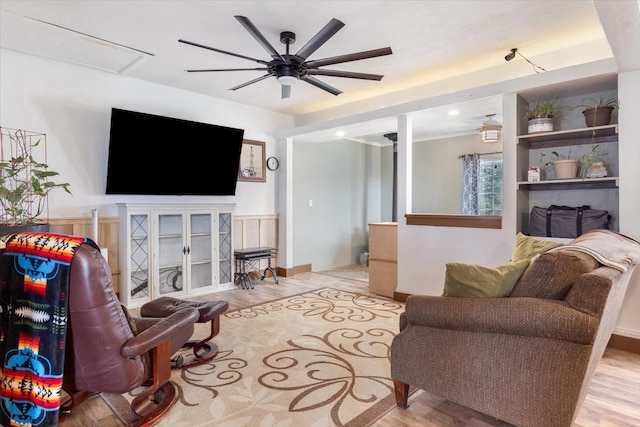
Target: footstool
point(210, 311)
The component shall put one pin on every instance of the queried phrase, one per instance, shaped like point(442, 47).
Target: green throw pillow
point(527, 247)
point(472, 280)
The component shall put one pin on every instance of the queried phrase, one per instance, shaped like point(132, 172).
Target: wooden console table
point(247, 261)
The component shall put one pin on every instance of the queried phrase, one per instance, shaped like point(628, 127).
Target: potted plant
point(592, 164)
point(540, 115)
point(598, 112)
point(564, 168)
point(24, 181)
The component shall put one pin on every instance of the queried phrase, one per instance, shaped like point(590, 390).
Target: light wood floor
point(613, 399)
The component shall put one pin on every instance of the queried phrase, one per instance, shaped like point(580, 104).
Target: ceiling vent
point(28, 35)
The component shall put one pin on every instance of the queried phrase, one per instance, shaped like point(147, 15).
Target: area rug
point(316, 359)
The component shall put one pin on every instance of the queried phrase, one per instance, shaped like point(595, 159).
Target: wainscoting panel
point(252, 231)
point(107, 237)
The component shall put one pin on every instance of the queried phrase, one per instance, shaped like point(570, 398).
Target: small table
point(247, 261)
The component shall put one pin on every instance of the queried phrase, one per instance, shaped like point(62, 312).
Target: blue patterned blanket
point(34, 287)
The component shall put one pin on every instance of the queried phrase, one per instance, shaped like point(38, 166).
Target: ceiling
point(430, 40)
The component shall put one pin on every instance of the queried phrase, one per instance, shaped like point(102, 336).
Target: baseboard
point(621, 342)
point(400, 296)
point(288, 272)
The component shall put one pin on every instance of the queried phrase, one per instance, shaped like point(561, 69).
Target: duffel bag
point(565, 221)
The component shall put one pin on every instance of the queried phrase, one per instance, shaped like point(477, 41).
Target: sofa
point(527, 357)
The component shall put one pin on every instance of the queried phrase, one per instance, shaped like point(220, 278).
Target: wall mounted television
point(156, 155)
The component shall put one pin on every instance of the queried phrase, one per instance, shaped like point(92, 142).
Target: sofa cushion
point(552, 274)
point(527, 247)
point(473, 280)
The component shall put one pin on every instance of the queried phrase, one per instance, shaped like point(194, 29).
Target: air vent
point(28, 35)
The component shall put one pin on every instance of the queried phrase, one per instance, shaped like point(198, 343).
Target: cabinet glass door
point(139, 250)
point(171, 253)
point(200, 251)
point(225, 248)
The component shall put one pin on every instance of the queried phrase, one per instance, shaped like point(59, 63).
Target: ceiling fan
point(288, 68)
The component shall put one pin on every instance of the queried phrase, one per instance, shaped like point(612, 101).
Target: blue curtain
point(470, 172)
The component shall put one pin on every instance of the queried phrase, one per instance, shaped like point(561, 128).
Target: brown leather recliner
point(108, 351)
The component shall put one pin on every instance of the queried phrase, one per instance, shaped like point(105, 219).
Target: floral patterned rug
point(316, 359)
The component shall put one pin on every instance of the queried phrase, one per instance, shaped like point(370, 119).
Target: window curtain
point(470, 172)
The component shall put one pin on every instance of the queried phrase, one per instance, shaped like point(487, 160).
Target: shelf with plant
point(577, 179)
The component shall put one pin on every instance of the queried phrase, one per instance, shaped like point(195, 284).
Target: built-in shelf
point(569, 184)
point(594, 135)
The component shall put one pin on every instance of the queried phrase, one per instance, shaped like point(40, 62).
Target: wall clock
point(272, 163)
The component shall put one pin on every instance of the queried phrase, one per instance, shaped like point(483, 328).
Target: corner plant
point(24, 181)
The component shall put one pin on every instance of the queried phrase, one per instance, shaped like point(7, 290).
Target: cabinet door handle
point(184, 250)
point(188, 250)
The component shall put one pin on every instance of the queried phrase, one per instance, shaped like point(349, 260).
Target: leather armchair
point(527, 358)
point(108, 351)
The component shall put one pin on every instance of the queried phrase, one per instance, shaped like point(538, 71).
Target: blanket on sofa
point(34, 290)
point(612, 249)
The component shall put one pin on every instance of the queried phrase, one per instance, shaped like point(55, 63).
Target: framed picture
point(252, 161)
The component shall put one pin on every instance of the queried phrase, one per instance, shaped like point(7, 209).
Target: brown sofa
point(526, 359)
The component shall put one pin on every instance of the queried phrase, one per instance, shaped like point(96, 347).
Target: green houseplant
point(540, 115)
point(592, 159)
point(598, 112)
point(564, 168)
point(541, 108)
point(24, 181)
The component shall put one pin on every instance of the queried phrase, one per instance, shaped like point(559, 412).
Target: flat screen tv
point(158, 155)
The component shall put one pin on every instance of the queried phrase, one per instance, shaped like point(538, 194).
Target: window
point(490, 187)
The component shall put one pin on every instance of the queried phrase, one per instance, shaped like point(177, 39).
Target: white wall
point(72, 105)
point(424, 251)
point(629, 146)
point(336, 194)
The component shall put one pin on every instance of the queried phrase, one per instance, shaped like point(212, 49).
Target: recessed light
point(453, 112)
point(339, 133)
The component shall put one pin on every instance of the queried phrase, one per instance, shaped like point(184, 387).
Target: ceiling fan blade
point(260, 61)
point(251, 82)
point(319, 39)
point(349, 57)
point(322, 85)
point(248, 25)
point(227, 69)
point(347, 74)
point(286, 91)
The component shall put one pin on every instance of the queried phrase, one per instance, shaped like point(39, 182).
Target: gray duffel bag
point(565, 221)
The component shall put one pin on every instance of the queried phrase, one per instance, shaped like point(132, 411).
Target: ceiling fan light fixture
point(287, 80)
point(490, 130)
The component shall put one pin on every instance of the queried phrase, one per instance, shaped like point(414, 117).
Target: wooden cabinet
point(180, 252)
point(383, 258)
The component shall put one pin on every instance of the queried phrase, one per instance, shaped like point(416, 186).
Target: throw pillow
point(527, 247)
point(472, 280)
